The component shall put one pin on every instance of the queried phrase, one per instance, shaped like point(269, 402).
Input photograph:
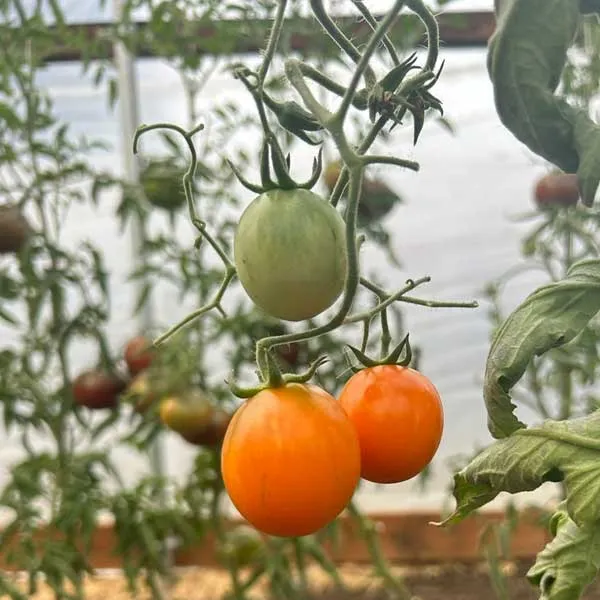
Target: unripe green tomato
point(163, 185)
point(290, 253)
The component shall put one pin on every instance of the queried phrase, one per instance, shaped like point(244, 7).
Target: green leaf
point(9, 117)
point(142, 298)
point(569, 563)
point(587, 142)
point(566, 451)
point(552, 316)
point(526, 59)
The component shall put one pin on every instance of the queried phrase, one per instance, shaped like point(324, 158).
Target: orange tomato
point(399, 420)
point(290, 460)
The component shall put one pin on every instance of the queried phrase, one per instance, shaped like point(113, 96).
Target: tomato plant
point(242, 546)
point(289, 253)
point(290, 460)
point(398, 416)
point(64, 290)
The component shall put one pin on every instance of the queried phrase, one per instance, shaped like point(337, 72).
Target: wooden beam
point(407, 539)
point(466, 29)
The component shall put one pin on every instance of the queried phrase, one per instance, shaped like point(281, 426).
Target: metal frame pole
point(128, 102)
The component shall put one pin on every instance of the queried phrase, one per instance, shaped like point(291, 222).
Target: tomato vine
point(401, 94)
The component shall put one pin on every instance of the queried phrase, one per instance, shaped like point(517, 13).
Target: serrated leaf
point(569, 563)
point(566, 451)
point(552, 316)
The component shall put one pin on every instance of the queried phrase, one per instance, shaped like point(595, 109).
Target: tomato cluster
point(187, 411)
point(293, 456)
point(101, 388)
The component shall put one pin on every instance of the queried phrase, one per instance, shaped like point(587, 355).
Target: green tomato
point(163, 185)
point(290, 253)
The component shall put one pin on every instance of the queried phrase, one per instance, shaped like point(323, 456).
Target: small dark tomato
point(97, 389)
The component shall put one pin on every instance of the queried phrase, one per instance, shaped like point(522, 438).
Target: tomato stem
point(366, 13)
point(338, 36)
point(362, 66)
point(272, 43)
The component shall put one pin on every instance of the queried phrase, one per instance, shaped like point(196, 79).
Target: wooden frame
point(408, 539)
point(457, 29)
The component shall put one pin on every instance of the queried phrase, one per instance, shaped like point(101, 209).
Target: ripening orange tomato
point(399, 420)
point(290, 460)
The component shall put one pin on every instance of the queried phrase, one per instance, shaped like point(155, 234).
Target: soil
point(456, 582)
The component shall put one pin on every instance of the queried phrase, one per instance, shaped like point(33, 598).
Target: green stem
point(438, 303)
point(364, 146)
point(264, 345)
point(537, 389)
point(340, 39)
point(363, 63)
point(330, 85)
point(391, 160)
point(386, 337)
point(366, 13)
point(215, 303)
point(293, 71)
point(274, 36)
point(369, 314)
point(217, 521)
point(301, 564)
point(565, 372)
point(433, 32)
point(58, 426)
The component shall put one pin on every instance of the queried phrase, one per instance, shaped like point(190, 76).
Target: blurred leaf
point(552, 316)
point(555, 451)
point(570, 562)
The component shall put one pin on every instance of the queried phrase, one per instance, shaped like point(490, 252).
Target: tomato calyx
point(393, 358)
point(273, 378)
point(271, 152)
point(290, 114)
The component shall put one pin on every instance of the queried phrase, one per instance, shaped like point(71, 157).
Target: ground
point(456, 582)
